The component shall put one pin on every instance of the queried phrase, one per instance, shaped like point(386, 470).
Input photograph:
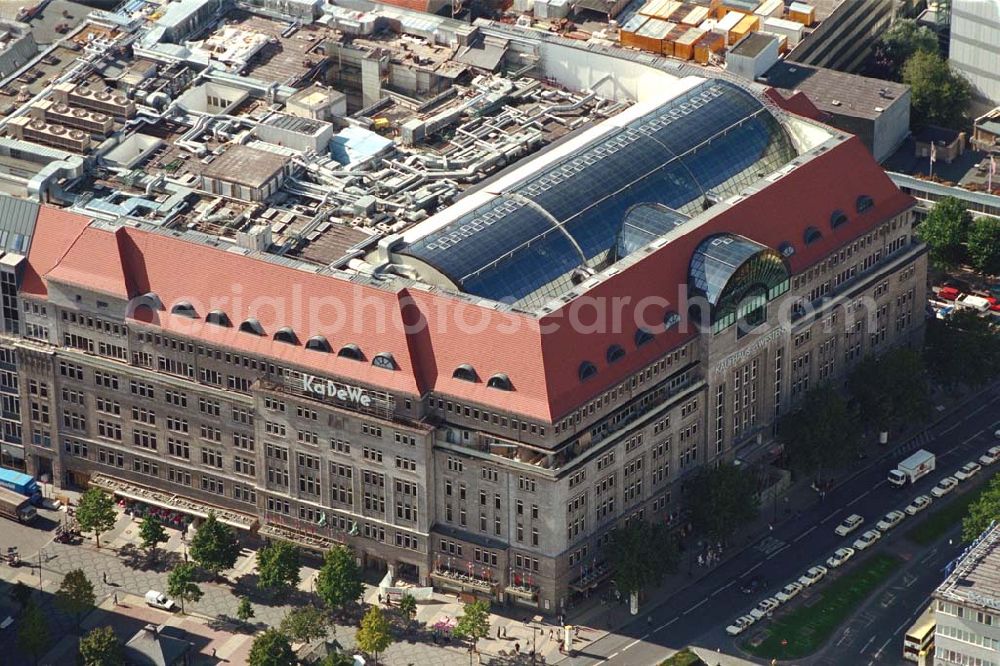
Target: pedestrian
point(649, 620)
point(505, 632)
point(114, 599)
point(213, 653)
point(380, 599)
point(104, 577)
point(552, 634)
point(498, 633)
point(517, 648)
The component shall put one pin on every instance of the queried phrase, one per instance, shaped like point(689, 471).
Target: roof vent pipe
point(385, 247)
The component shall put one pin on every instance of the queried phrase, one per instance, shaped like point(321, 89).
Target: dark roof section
point(17, 224)
point(751, 45)
point(156, 646)
point(524, 245)
point(835, 92)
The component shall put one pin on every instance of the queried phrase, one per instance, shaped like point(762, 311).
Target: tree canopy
point(100, 647)
point(96, 513)
point(152, 533)
point(639, 554)
point(983, 245)
point(244, 611)
point(822, 434)
point(474, 622)
point(897, 45)
point(339, 579)
point(214, 545)
point(278, 565)
point(890, 390)
point(75, 595)
point(961, 349)
point(374, 636)
point(271, 648)
point(305, 624)
point(181, 584)
point(721, 499)
point(940, 96)
point(945, 230)
point(983, 511)
point(33, 637)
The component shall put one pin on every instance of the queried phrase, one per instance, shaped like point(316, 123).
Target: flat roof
point(244, 165)
point(753, 44)
point(975, 576)
point(838, 93)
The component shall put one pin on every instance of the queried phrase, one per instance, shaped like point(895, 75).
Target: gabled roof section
point(55, 231)
point(94, 262)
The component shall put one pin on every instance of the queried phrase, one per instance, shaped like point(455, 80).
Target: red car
point(948, 293)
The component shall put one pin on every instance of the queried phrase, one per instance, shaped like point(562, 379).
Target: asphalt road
point(698, 614)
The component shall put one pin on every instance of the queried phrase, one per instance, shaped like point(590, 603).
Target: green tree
point(96, 513)
point(373, 636)
point(244, 612)
point(271, 648)
point(983, 245)
point(214, 545)
point(898, 44)
point(983, 511)
point(337, 659)
point(278, 565)
point(339, 579)
point(890, 390)
point(408, 606)
point(152, 533)
point(961, 349)
point(33, 636)
point(639, 554)
point(940, 96)
point(181, 585)
point(945, 230)
point(76, 595)
point(822, 434)
point(21, 593)
point(305, 624)
point(474, 622)
point(100, 647)
point(721, 499)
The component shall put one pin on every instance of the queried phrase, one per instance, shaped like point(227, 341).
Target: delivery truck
point(16, 507)
point(21, 483)
point(918, 465)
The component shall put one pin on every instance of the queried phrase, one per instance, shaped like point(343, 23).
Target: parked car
point(751, 585)
point(968, 471)
point(991, 456)
point(891, 519)
point(851, 523)
point(948, 293)
point(839, 556)
point(867, 539)
point(919, 503)
point(788, 592)
point(764, 608)
point(944, 486)
point(740, 625)
point(813, 576)
point(160, 600)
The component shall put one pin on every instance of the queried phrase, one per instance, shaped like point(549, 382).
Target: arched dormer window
point(184, 309)
point(384, 360)
point(838, 218)
point(614, 353)
point(642, 336)
point(219, 318)
point(351, 351)
point(586, 370)
point(864, 203)
point(500, 381)
point(318, 343)
point(811, 235)
point(466, 373)
point(253, 326)
point(670, 319)
point(287, 335)
point(786, 249)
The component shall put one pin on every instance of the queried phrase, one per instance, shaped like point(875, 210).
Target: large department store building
point(478, 402)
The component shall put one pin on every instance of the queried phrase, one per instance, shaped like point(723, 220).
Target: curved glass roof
point(523, 245)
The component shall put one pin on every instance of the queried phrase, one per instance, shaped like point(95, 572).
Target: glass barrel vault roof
point(523, 246)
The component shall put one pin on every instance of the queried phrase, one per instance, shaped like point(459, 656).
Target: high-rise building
point(477, 403)
point(975, 26)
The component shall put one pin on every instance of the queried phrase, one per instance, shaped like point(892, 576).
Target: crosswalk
point(770, 545)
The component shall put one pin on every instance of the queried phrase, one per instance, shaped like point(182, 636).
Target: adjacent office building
point(477, 403)
point(975, 25)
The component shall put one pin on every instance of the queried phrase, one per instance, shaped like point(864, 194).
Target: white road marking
point(635, 642)
point(862, 650)
point(777, 552)
point(724, 587)
point(703, 601)
point(830, 516)
point(613, 656)
point(747, 572)
point(859, 498)
point(664, 626)
point(803, 535)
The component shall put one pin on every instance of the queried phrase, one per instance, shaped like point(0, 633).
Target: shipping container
point(802, 13)
point(684, 46)
point(749, 24)
point(710, 42)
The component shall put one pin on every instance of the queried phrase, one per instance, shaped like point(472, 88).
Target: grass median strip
point(805, 629)
point(684, 658)
point(935, 525)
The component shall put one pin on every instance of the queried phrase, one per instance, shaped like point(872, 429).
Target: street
point(698, 614)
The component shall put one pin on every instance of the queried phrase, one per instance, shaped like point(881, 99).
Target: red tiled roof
point(541, 356)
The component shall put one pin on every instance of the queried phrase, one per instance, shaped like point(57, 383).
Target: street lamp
point(534, 636)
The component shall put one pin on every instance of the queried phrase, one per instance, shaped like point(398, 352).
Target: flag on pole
point(989, 176)
point(933, 153)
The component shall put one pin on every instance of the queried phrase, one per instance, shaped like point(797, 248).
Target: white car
point(944, 486)
point(867, 539)
point(160, 600)
point(919, 503)
point(851, 523)
point(764, 608)
point(997, 434)
point(991, 456)
point(839, 556)
point(813, 576)
point(968, 471)
point(891, 519)
point(788, 592)
point(740, 625)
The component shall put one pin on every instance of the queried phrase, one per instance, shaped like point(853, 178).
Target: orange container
point(749, 24)
point(709, 43)
point(684, 46)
